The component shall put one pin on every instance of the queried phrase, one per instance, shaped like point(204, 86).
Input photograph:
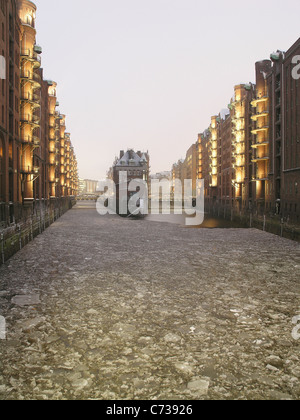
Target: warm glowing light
point(214, 182)
point(28, 19)
point(239, 125)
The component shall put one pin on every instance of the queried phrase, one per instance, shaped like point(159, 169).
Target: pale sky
point(149, 74)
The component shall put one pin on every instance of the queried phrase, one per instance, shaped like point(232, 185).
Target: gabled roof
point(130, 158)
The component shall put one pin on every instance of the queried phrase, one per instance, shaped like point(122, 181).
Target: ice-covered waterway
point(111, 308)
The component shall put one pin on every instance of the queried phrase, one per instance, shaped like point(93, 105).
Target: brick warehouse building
point(276, 115)
point(10, 147)
point(249, 157)
point(224, 160)
point(136, 165)
point(284, 93)
point(37, 160)
point(186, 168)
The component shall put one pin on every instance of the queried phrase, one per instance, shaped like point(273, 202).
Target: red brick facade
point(28, 172)
point(249, 157)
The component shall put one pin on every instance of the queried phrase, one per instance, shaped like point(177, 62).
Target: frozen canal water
point(111, 308)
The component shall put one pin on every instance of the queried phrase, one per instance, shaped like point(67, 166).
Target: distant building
point(81, 186)
point(191, 166)
point(91, 186)
point(162, 175)
point(136, 164)
point(186, 169)
point(109, 174)
point(177, 172)
point(87, 186)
